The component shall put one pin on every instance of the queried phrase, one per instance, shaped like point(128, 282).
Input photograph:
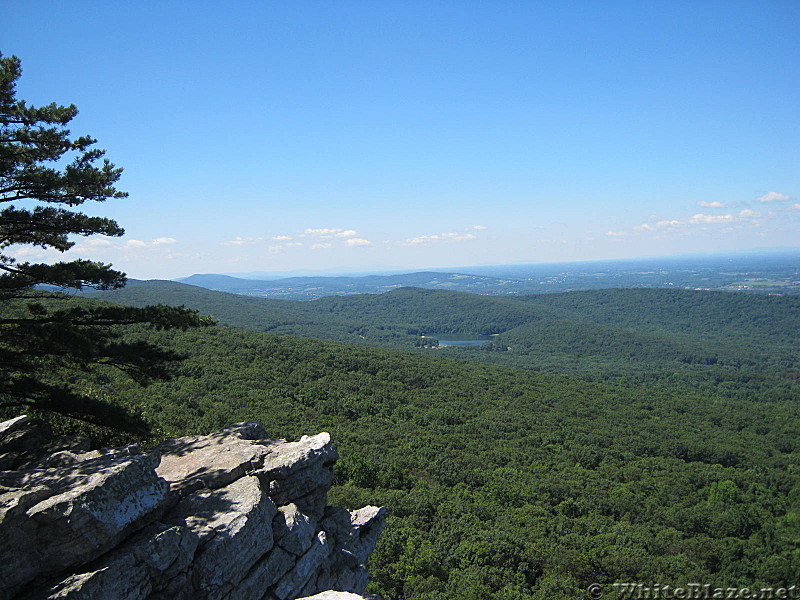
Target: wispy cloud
point(479, 227)
point(714, 204)
point(795, 206)
point(773, 197)
point(321, 246)
point(357, 242)
point(616, 234)
point(242, 241)
point(162, 241)
point(749, 214)
point(282, 238)
point(700, 219)
point(665, 223)
point(453, 236)
point(95, 243)
point(347, 233)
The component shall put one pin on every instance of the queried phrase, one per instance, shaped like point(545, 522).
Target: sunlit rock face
point(229, 516)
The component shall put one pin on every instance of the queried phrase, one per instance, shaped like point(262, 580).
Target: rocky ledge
point(229, 516)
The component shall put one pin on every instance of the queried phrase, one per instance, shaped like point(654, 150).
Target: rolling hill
point(715, 338)
point(659, 445)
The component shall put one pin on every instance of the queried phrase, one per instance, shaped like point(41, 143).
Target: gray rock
point(356, 532)
point(234, 526)
point(307, 567)
point(292, 530)
point(25, 442)
point(354, 536)
point(263, 575)
point(313, 504)
point(194, 520)
point(213, 461)
point(61, 518)
point(301, 483)
point(295, 456)
point(332, 595)
point(132, 571)
point(13, 425)
point(66, 458)
point(366, 525)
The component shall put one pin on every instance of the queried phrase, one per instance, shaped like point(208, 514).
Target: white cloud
point(659, 225)
point(162, 241)
point(795, 207)
point(616, 234)
point(323, 232)
point(282, 238)
point(347, 233)
point(703, 219)
point(96, 243)
point(669, 223)
point(479, 227)
point(773, 197)
point(93, 244)
point(454, 236)
point(457, 237)
point(240, 241)
point(321, 246)
point(294, 244)
point(749, 214)
point(32, 253)
point(275, 249)
point(150, 244)
point(714, 204)
point(357, 242)
point(422, 239)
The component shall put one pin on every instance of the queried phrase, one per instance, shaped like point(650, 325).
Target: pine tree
point(51, 343)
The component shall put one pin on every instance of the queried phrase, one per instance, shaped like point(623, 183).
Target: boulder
point(292, 530)
point(24, 442)
point(58, 518)
point(234, 528)
point(133, 571)
point(228, 516)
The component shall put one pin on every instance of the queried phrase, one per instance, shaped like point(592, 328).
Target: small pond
point(460, 340)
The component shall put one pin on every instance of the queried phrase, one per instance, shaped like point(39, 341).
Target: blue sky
point(266, 136)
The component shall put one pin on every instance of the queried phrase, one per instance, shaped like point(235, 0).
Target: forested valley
point(622, 435)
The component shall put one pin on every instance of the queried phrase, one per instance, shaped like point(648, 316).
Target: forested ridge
point(507, 483)
point(721, 339)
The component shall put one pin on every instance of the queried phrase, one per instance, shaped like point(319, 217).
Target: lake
point(461, 340)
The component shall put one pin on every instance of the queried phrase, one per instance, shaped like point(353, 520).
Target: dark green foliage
point(504, 483)
point(47, 341)
point(743, 345)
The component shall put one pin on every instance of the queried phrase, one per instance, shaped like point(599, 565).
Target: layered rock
point(228, 516)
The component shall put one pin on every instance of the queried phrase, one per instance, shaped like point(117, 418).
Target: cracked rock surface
point(229, 516)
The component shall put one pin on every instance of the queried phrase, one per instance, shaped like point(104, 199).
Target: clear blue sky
point(267, 136)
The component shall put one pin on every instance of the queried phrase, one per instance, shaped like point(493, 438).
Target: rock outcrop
point(229, 516)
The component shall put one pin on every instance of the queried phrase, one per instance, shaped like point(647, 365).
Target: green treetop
point(51, 343)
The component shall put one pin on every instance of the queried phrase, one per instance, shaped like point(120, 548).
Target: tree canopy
point(49, 346)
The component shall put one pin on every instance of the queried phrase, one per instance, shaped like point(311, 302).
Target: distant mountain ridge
point(317, 287)
point(764, 273)
point(665, 330)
